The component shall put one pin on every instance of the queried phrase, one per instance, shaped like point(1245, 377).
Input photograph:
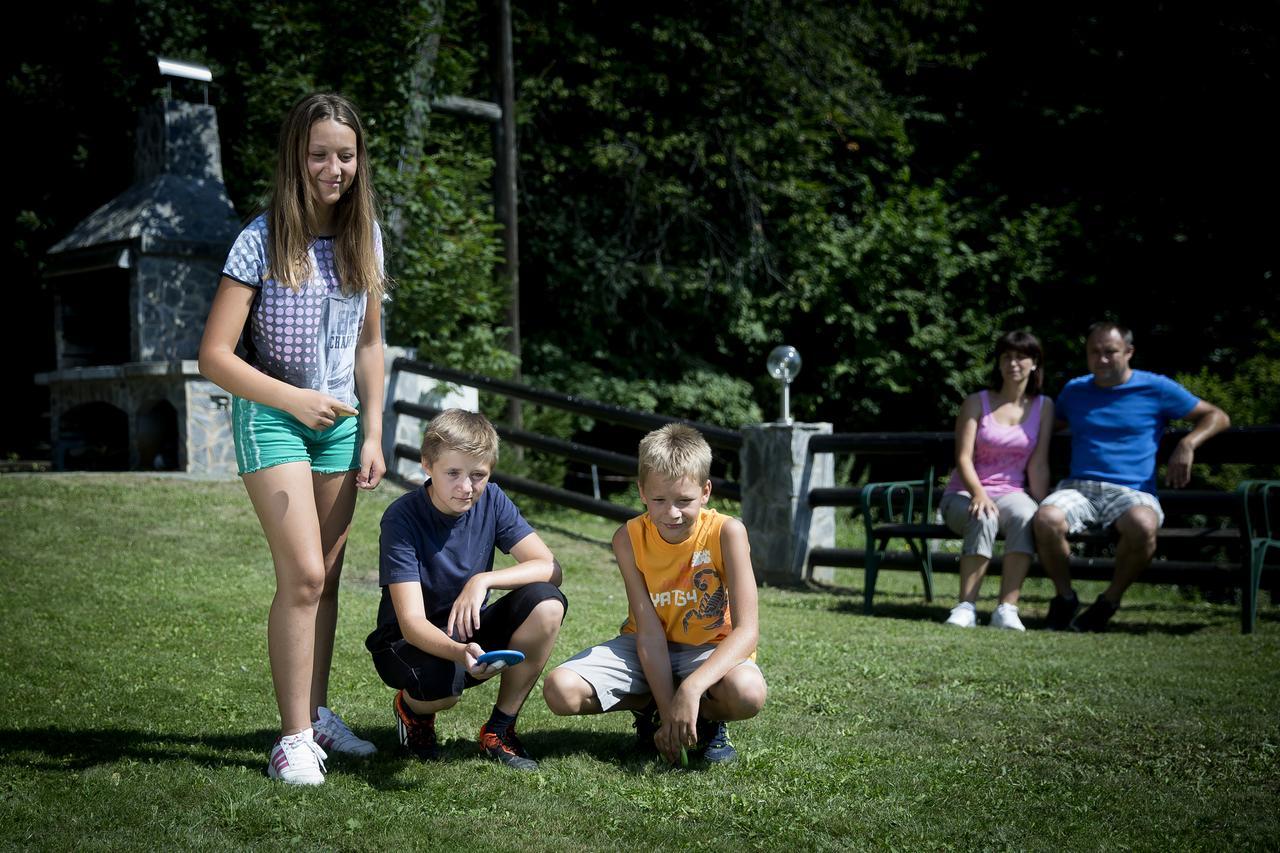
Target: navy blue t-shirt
point(442, 552)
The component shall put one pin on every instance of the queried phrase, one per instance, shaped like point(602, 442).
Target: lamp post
point(784, 365)
point(778, 475)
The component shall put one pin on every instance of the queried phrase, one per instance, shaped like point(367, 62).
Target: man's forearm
point(1210, 424)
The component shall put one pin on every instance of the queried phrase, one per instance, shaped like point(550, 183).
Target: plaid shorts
point(1092, 503)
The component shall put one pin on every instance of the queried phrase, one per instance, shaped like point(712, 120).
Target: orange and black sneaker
point(513, 740)
point(417, 731)
point(506, 748)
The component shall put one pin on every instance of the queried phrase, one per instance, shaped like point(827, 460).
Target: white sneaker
point(333, 735)
point(297, 760)
point(1006, 616)
point(963, 615)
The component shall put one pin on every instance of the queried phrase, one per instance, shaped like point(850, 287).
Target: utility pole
point(504, 185)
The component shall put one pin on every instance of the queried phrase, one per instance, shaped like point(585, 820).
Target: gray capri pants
point(1016, 511)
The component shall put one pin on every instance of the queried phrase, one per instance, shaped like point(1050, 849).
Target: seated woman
point(1002, 453)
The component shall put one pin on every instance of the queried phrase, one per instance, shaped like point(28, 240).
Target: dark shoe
point(505, 748)
point(1061, 612)
point(646, 724)
point(513, 741)
point(417, 732)
point(1096, 616)
point(713, 741)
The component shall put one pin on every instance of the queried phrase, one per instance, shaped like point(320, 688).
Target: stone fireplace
point(132, 286)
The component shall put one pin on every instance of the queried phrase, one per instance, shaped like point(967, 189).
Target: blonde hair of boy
point(675, 452)
point(460, 431)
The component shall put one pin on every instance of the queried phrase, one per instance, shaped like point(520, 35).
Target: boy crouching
point(436, 571)
point(684, 663)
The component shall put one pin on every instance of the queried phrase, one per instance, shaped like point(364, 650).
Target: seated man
point(1116, 417)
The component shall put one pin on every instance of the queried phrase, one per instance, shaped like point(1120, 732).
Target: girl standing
point(1002, 471)
point(304, 283)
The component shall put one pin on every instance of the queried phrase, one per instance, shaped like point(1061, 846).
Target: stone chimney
point(132, 287)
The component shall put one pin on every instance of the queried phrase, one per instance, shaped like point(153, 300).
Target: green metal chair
point(1260, 511)
point(896, 504)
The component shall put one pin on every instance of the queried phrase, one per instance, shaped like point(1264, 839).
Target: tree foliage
point(263, 57)
point(886, 187)
point(703, 182)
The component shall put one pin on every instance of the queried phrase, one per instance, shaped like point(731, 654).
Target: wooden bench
point(1212, 539)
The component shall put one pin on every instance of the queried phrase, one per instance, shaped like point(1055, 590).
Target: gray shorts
point(1016, 511)
point(1092, 503)
point(613, 668)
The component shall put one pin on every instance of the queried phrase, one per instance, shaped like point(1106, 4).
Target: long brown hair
point(292, 206)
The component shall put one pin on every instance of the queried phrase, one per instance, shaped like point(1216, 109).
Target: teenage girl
point(1002, 471)
point(304, 284)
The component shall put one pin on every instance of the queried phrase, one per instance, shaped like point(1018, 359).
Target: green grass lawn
point(137, 709)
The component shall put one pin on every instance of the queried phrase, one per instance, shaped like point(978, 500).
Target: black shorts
point(427, 678)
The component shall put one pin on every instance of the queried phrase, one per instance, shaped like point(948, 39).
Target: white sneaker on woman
point(1006, 616)
point(963, 615)
point(297, 760)
point(332, 734)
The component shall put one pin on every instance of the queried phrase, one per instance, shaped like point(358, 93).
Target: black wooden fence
point(717, 437)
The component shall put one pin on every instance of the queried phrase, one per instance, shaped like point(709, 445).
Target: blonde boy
point(684, 662)
point(436, 571)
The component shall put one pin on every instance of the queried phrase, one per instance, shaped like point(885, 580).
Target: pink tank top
point(1000, 452)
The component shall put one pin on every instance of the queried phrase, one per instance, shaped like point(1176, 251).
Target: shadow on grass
point(67, 750)
point(607, 747)
point(617, 748)
point(575, 535)
point(70, 749)
point(909, 606)
point(383, 770)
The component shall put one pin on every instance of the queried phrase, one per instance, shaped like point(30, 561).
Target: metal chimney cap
point(186, 70)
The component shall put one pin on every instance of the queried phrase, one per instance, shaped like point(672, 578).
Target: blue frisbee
point(501, 658)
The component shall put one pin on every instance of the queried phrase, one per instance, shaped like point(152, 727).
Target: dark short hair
point(1022, 343)
point(1110, 326)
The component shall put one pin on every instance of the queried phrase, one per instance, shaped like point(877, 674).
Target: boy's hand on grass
point(679, 726)
point(464, 616)
point(667, 743)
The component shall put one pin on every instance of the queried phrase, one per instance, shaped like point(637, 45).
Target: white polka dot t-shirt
point(308, 338)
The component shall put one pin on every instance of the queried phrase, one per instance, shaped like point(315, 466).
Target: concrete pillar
point(777, 473)
point(406, 429)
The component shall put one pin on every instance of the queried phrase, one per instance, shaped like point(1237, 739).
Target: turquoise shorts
point(266, 436)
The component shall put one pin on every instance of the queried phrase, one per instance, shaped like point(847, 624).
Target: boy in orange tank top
point(684, 662)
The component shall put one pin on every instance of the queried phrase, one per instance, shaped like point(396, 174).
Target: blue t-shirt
point(1116, 431)
point(442, 552)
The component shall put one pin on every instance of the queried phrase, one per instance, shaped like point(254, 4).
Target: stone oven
point(132, 285)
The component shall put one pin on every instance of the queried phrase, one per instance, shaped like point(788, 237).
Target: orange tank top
point(686, 582)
